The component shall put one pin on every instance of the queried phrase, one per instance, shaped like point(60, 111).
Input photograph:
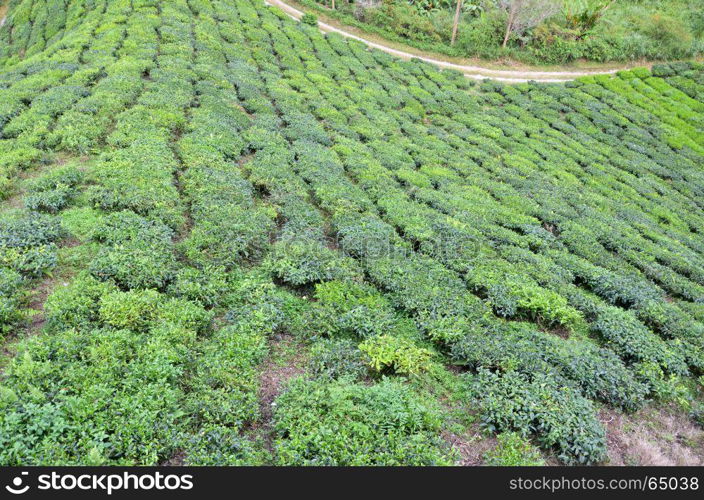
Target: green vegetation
point(189, 185)
point(513, 451)
point(340, 423)
point(564, 31)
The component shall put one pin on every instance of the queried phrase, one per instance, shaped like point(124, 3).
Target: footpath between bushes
point(470, 71)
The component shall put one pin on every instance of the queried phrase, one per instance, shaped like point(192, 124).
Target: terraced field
point(227, 238)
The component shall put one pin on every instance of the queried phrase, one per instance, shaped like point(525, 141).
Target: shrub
point(93, 397)
point(514, 296)
point(309, 19)
point(598, 373)
point(54, 191)
point(337, 358)
point(27, 243)
point(222, 446)
point(81, 222)
point(137, 252)
point(133, 310)
point(353, 309)
point(558, 416)
point(342, 423)
point(667, 388)
point(483, 37)
point(140, 179)
point(78, 132)
point(669, 34)
point(224, 385)
point(34, 261)
point(634, 342)
point(184, 314)
point(11, 297)
point(29, 230)
point(303, 262)
point(229, 235)
point(76, 305)
point(209, 286)
point(513, 450)
point(48, 201)
point(387, 353)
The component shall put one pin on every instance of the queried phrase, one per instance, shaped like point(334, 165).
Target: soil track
point(470, 71)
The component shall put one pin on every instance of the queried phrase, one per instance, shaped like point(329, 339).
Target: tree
point(526, 14)
point(458, 11)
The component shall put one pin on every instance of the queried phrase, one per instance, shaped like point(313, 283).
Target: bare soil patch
point(653, 436)
point(287, 359)
point(471, 445)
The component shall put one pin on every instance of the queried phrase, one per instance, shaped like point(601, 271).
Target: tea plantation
point(228, 239)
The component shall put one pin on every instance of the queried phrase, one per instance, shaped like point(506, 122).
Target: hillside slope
point(204, 199)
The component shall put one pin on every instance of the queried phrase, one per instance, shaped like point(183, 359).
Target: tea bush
point(222, 446)
point(338, 358)
point(513, 450)
point(190, 180)
point(55, 190)
point(395, 354)
point(342, 423)
point(28, 244)
point(137, 252)
point(353, 309)
point(516, 402)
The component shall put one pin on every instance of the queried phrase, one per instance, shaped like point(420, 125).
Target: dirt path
point(475, 72)
point(287, 359)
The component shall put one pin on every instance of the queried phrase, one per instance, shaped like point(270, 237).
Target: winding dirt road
point(475, 72)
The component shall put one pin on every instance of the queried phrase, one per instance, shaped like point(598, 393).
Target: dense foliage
point(592, 30)
point(209, 176)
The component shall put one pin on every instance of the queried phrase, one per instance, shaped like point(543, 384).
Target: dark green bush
point(209, 286)
point(337, 358)
point(27, 243)
point(229, 235)
point(558, 416)
point(343, 423)
point(11, 297)
point(483, 38)
point(513, 450)
point(356, 310)
point(137, 252)
point(140, 179)
point(597, 373)
point(302, 262)
point(54, 191)
point(76, 305)
point(224, 386)
point(93, 397)
point(634, 342)
point(309, 19)
point(222, 446)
